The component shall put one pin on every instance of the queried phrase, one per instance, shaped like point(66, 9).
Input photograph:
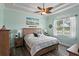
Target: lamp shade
point(19, 32)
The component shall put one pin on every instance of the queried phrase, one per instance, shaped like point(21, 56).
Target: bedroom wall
point(1, 14)
point(16, 20)
point(70, 12)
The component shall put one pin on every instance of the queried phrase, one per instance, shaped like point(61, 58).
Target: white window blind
point(65, 26)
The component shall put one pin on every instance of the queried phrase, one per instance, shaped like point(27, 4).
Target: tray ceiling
point(32, 7)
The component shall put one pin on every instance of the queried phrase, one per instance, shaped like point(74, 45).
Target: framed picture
point(32, 22)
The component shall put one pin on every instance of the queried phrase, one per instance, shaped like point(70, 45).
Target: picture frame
point(32, 21)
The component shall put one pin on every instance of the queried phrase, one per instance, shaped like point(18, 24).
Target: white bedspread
point(38, 43)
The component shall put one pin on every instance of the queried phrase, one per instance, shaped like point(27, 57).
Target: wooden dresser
point(4, 43)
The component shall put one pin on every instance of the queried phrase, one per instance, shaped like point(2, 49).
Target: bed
point(38, 45)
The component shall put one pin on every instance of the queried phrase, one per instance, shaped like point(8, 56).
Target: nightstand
point(18, 42)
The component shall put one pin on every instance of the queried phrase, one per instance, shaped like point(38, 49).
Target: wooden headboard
point(29, 30)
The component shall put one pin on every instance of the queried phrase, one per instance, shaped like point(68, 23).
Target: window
point(65, 26)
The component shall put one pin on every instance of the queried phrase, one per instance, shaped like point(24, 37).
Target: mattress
point(38, 43)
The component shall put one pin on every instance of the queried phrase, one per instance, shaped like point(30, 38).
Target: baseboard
point(66, 45)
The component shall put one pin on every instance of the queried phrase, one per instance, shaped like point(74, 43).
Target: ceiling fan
point(44, 10)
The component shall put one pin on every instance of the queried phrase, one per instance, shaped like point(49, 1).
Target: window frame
point(72, 31)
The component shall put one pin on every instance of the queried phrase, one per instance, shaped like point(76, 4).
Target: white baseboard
point(64, 44)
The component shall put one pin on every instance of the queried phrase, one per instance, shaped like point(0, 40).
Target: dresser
point(4, 43)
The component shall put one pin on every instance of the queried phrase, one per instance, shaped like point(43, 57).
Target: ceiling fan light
point(44, 13)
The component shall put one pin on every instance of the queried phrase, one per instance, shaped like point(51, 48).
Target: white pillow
point(29, 35)
point(39, 32)
point(41, 35)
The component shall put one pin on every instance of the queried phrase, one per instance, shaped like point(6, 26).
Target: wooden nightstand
point(18, 42)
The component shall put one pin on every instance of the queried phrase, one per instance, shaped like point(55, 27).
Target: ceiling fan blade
point(49, 12)
point(37, 11)
point(44, 10)
point(39, 8)
point(50, 8)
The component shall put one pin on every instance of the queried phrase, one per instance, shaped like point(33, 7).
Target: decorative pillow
point(35, 34)
point(41, 35)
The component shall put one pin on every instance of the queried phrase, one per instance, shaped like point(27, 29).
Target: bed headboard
point(29, 30)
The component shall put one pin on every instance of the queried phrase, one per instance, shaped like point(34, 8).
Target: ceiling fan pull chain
point(43, 5)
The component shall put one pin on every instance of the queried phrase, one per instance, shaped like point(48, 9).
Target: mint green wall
point(15, 20)
point(1, 14)
point(69, 12)
point(49, 20)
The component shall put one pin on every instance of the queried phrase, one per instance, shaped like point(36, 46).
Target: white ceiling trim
point(32, 8)
point(62, 7)
point(71, 6)
point(28, 8)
